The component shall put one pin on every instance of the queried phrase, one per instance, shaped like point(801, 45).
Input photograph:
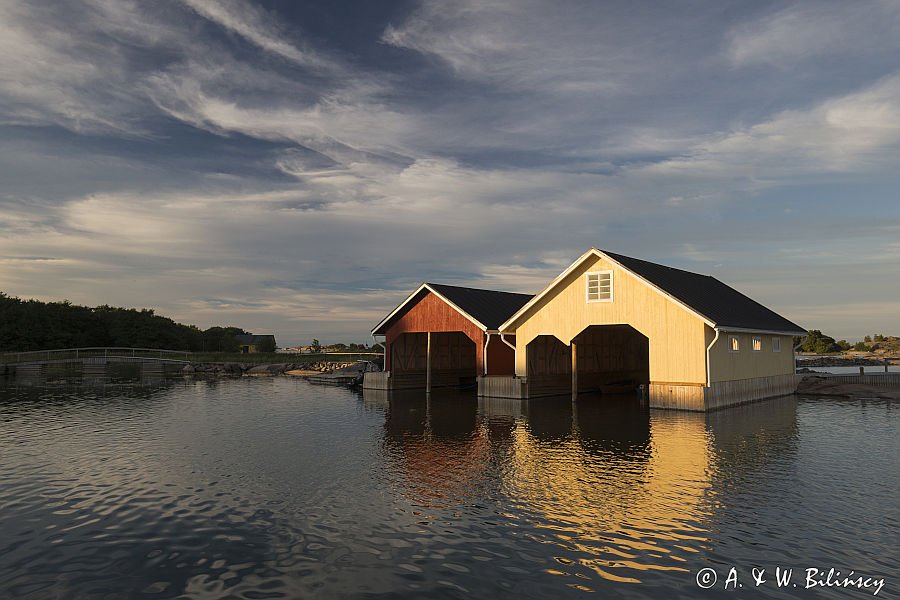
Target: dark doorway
point(452, 357)
point(453, 360)
point(611, 359)
point(549, 366)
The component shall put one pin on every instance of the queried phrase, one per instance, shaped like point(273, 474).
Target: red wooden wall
point(433, 314)
point(430, 313)
point(501, 358)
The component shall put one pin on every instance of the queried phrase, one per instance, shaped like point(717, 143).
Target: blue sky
point(298, 167)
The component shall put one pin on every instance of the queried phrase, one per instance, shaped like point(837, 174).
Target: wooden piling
point(574, 371)
point(428, 363)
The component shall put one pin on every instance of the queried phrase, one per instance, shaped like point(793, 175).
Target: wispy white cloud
point(804, 31)
point(43, 77)
point(502, 42)
point(254, 25)
point(854, 134)
point(341, 120)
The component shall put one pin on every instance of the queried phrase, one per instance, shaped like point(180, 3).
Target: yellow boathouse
point(612, 322)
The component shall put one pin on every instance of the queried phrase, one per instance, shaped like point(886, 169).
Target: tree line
point(820, 343)
point(34, 325)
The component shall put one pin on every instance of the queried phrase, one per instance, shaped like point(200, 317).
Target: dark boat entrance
point(433, 360)
point(612, 359)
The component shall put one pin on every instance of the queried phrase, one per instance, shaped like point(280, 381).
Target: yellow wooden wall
point(677, 337)
point(728, 366)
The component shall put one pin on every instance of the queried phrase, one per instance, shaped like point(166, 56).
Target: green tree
point(861, 346)
point(819, 343)
point(33, 325)
point(878, 338)
point(844, 345)
point(316, 346)
point(868, 338)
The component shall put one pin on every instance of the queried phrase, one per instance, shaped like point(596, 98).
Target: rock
point(260, 370)
point(188, 369)
point(822, 386)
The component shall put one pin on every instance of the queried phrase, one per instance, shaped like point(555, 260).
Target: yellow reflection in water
point(619, 495)
point(615, 489)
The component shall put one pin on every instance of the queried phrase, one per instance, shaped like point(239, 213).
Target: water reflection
point(274, 488)
point(438, 446)
point(77, 379)
point(618, 490)
point(614, 424)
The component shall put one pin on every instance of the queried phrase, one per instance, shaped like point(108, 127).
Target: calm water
point(273, 488)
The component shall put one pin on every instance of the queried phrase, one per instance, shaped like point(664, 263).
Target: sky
point(298, 168)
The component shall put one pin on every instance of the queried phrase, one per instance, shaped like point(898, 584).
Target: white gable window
point(757, 344)
point(734, 343)
point(599, 286)
point(776, 344)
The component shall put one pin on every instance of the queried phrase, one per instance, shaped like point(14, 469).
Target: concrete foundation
point(448, 378)
point(677, 396)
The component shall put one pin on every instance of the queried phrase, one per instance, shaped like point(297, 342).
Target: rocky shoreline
point(233, 369)
point(825, 386)
point(845, 361)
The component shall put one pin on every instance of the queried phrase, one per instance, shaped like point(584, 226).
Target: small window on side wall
point(599, 286)
point(734, 343)
point(776, 344)
point(757, 344)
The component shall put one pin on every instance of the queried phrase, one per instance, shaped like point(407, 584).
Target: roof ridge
point(656, 263)
point(466, 287)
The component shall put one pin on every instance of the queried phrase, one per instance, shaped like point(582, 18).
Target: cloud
point(209, 160)
point(336, 122)
point(76, 65)
point(502, 42)
point(102, 66)
point(857, 133)
point(258, 28)
point(810, 30)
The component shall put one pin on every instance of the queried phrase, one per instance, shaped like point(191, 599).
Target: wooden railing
point(108, 353)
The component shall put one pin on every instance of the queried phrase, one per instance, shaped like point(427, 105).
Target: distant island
point(879, 345)
point(27, 325)
point(34, 325)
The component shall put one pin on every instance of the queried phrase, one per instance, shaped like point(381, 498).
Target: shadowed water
point(273, 488)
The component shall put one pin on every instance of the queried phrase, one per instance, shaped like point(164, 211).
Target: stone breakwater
point(843, 361)
point(257, 370)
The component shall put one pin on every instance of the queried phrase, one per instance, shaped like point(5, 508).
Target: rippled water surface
point(274, 488)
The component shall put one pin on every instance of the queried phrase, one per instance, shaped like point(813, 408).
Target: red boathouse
point(446, 336)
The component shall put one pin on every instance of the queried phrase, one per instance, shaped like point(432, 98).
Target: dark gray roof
point(721, 304)
point(488, 307)
point(251, 339)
